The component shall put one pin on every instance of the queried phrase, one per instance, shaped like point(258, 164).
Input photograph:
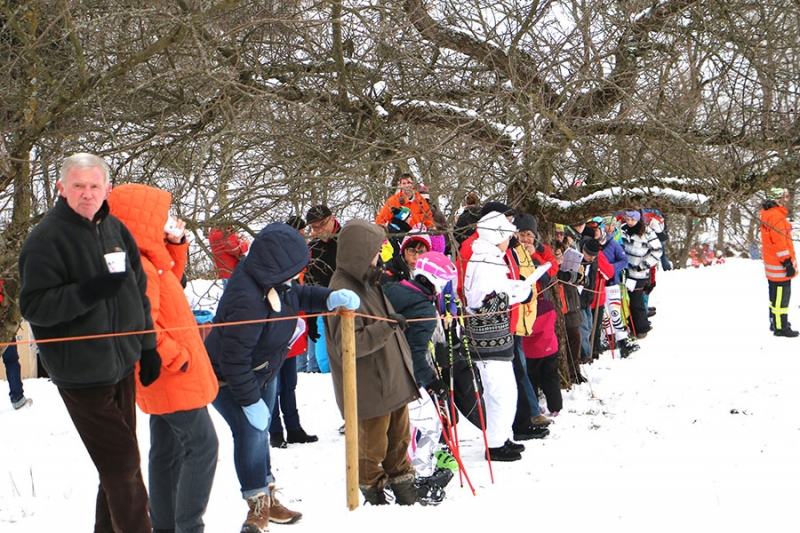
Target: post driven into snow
point(350, 405)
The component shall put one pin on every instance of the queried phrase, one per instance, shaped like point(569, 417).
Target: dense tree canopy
point(250, 111)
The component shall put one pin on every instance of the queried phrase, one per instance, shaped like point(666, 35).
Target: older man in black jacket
point(69, 291)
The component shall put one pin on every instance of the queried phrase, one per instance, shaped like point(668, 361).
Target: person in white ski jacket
point(489, 295)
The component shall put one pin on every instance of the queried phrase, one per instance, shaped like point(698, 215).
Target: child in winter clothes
point(416, 299)
point(618, 259)
point(385, 375)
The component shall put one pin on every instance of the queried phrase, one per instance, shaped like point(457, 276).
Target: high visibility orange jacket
point(776, 241)
point(420, 210)
point(187, 380)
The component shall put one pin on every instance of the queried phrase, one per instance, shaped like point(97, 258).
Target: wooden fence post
point(350, 406)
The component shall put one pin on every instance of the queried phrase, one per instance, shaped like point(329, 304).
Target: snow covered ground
point(698, 431)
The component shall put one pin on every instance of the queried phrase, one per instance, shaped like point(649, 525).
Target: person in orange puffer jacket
point(183, 441)
point(779, 260)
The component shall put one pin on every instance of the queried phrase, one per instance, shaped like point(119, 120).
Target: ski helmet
point(437, 269)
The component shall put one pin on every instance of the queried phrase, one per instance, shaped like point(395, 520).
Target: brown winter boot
point(278, 513)
point(258, 516)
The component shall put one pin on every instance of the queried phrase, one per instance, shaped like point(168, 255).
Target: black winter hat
point(526, 222)
point(499, 207)
point(591, 247)
point(296, 222)
point(317, 213)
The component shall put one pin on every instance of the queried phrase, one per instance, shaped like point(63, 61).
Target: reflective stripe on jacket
point(776, 241)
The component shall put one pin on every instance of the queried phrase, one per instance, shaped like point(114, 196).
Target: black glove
point(150, 367)
point(437, 387)
point(399, 321)
point(790, 271)
point(311, 329)
point(101, 287)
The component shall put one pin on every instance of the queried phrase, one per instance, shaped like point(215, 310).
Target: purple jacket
point(617, 257)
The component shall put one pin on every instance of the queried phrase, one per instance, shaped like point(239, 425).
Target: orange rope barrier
point(245, 322)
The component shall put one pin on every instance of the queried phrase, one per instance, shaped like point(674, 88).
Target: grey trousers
point(183, 460)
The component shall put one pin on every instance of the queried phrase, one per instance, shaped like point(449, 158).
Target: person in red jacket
point(779, 260)
point(183, 441)
point(227, 249)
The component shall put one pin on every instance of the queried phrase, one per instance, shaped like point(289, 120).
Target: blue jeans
point(286, 400)
point(250, 446)
point(13, 372)
point(307, 362)
point(586, 332)
point(183, 460)
point(533, 399)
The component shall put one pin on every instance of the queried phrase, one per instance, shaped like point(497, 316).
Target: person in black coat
point(68, 290)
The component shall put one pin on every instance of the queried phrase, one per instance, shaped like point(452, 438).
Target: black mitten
point(311, 329)
point(101, 287)
point(790, 271)
point(438, 388)
point(149, 367)
point(399, 321)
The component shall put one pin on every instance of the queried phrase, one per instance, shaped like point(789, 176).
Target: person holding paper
point(68, 290)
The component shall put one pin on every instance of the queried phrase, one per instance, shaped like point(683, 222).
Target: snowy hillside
point(698, 431)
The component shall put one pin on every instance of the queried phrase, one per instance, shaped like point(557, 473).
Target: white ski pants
point(500, 398)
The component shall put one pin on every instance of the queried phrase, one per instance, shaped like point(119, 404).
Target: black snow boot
point(627, 347)
point(405, 492)
point(299, 436)
point(276, 440)
point(504, 453)
point(373, 495)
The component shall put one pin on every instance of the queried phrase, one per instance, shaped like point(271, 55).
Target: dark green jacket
point(62, 251)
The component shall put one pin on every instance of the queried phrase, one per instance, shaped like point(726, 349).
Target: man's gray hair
point(85, 161)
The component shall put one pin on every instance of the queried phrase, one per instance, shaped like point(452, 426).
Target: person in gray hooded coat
point(385, 374)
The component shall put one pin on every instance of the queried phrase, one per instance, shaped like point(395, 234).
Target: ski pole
point(452, 405)
point(456, 454)
point(475, 387)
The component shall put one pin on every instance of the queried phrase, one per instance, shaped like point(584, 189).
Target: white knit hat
point(495, 228)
